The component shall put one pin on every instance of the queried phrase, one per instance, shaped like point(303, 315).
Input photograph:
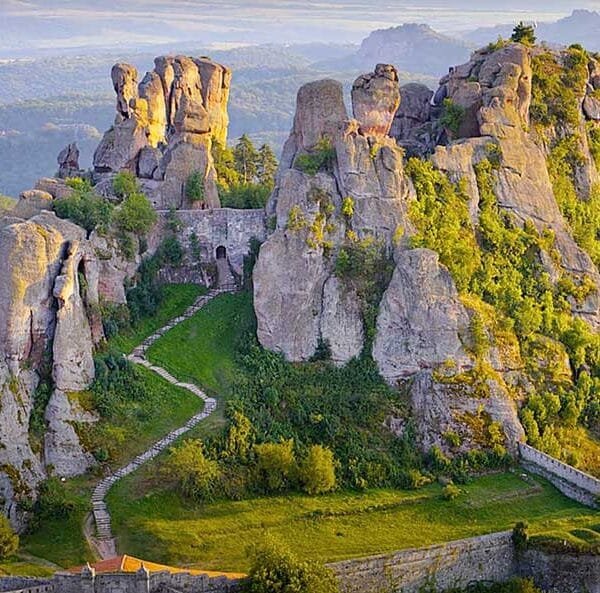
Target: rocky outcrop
point(411, 126)
point(49, 280)
point(299, 302)
point(420, 319)
point(68, 162)
point(375, 100)
point(164, 128)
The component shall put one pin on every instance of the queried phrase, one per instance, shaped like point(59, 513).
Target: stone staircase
point(225, 278)
point(106, 543)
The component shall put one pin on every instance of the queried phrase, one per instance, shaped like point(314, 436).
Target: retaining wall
point(455, 564)
point(570, 481)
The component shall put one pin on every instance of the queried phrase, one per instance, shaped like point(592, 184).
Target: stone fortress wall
point(455, 564)
point(222, 227)
point(141, 581)
point(570, 481)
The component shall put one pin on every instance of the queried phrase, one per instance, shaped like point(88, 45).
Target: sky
point(58, 24)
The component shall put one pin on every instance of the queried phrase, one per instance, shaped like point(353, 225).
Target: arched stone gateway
point(221, 252)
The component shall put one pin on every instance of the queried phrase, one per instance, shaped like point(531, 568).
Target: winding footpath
point(104, 540)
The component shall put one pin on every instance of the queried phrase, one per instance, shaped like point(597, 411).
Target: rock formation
point(50, 277)
point(68, 162)
point(423, 337)
point(164, 128)
point(298, 300)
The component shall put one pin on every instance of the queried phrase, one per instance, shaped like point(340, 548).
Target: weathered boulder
point(294, 279)
point(73, 368)
point(375, 100)
point(421, 318)
point(125, 80)
point(412, 116)
point(164, 128)
point(591, 107)
point(62, 447)
point(32, 202)
point(68, 161)
point(441, 408)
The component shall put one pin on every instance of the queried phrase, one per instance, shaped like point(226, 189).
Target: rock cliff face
point(50, 277)
point(164, 128)
point(299, 302)
point(342, 181)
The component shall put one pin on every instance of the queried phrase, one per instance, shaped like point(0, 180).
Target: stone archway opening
point(221, 252)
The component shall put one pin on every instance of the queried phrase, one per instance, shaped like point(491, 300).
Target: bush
point(54, 502)
point(194, 187)
point(9, 540)
point(450, 492)
point(196, 475)
point(84, 207)
point(125, 184)
point(320, 157)
point(276, 465)
point(248, 195)
point(135, 215)
point(317, 471)
point(274, 569)
point(452, 116)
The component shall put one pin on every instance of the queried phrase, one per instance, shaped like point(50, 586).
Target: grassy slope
point(177, 298)
point(159, 526)
point(63, 542)
point(155, 522)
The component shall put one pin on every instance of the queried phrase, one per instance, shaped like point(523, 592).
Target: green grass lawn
point(202, 348)
point(61, 540)
point(156, 524)
point(177, 298)
point(133, 428)
point(136, 425)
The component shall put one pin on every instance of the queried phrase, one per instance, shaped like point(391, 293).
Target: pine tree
point(266, 166)
point(245, 157)
point(524, 34)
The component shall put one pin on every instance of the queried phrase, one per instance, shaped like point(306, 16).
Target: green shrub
point(135, 215)
point(125, 184)
point(54, 501)
point(84, 207)
point(276, 465)
point(9, 540)
point(274, 569)
point(317, 470)
point(450, 492)
point(194, 187)
point(452, 116)
point(322, 156)
point(248, 195)
point(196, 476)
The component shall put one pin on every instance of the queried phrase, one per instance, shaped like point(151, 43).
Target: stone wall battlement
point(570, 481)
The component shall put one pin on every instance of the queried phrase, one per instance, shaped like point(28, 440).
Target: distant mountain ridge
point(581, 26)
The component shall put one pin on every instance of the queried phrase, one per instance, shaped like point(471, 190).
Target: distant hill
point(414, 48)
point(581, 26)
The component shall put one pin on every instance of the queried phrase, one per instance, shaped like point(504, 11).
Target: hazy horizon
point(33, 26)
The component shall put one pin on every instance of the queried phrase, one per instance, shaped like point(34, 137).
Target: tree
point(240, 437)
point(524, 34)
point(9, 540)
point(195, 474)
point(125, 184)
point(266, 166)
point(136, 214)
point(274, 569)
point(194, 187)
point(276, 464)
point(245, 157)
point(224, 161)
point(84, 207)
point(317, 472)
